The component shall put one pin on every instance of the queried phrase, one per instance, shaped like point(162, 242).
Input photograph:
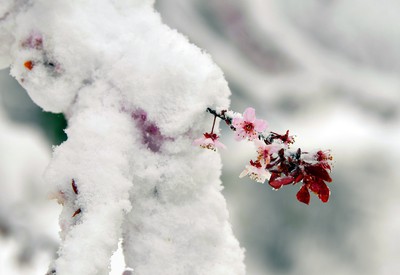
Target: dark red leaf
point(297, 175)
point(74, 187)
point(303, 195)
point(318, 171)
point(298, 178)
point(287, 180)
point(324, 193)
point(274, 182)
point(315, 186)
point(274, 176)
point(277, 183)
point(76, 212)
point(325, 165)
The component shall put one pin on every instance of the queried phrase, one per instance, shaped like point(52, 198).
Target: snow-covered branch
point(131, 88)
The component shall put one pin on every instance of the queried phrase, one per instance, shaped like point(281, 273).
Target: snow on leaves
point(274, 160)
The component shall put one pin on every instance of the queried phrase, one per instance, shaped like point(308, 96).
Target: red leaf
point(315, 186)
point(74, 187)
point(324, 193)
point(277, 183)
point(77, 212)
point(319, 172)
point(297, 175)
point(326, 166)
point(287, 180)
point(274, 176)
point(303, 195)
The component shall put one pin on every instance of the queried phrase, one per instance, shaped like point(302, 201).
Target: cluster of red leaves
point(312, 171)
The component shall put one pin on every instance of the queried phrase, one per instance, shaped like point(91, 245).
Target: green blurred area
point(20, 109)
point(52, 125)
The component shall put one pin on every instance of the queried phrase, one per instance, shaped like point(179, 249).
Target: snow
point(160, 194)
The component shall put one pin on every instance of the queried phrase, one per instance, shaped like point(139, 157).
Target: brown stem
point(212, 129)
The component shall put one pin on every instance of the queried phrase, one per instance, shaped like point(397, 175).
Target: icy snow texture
point(120, 76)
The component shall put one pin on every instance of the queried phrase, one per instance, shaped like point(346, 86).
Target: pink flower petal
point(259, 144)
point(249, 115)
point(237, 121)
point(273, 148)
point(203, 141)
point(252, 136)
point(240, 134)
point(244, 173)
point(199, 141)
point(260, 125)
point(208, 141)
point(219, 144)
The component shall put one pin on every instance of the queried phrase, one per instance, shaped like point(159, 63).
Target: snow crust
point(135, 94)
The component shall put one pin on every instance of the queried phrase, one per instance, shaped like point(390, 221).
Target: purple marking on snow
point(34, 41)
point(151, 135)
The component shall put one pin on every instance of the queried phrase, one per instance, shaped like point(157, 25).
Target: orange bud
point(28, 65)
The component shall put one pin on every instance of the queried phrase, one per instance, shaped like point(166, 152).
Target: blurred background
point(328, 70)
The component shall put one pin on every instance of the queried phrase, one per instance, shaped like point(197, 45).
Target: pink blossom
point(266, 150)
point(256, 171)
point(209, 141)
point(248, 126)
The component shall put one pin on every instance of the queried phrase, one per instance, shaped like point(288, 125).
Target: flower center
point(248, 127)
